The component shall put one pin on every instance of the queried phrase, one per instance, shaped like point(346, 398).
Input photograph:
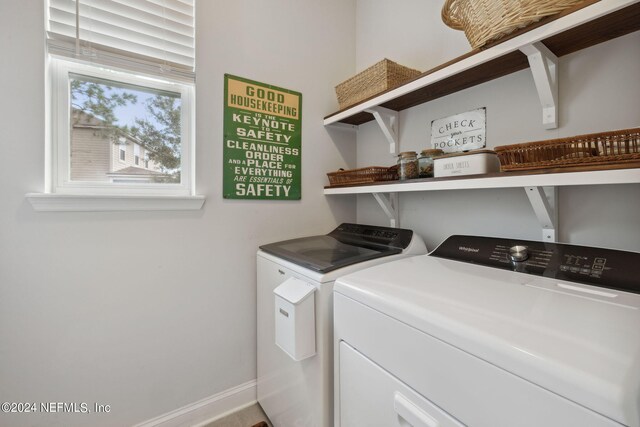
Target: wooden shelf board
point(598, 30)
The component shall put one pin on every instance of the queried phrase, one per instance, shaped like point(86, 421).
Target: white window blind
point(151, 36)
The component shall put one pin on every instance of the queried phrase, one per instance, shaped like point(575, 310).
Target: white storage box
point(471, 163)
point(295, 318)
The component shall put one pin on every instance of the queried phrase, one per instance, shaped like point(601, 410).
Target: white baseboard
point(208, 409)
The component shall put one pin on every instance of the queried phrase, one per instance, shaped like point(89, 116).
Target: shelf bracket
point(544, 67)
point(388, 121)
point(389, 204)
point(544, 201)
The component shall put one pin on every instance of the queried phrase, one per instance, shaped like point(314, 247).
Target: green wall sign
point(262, 141)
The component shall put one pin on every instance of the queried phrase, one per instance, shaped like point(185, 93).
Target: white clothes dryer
point(489, 332)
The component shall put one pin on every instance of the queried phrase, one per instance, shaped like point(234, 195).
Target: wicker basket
point(382, 76)
point(363, 175)
point(487, 20)
point(606, 148)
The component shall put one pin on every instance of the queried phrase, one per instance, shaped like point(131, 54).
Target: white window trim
point(49, 202)
point(61, 194)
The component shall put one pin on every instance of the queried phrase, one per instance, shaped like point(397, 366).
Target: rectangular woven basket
point(605, 148)
point(376, 79)
point(363, 175)
point(486, 20)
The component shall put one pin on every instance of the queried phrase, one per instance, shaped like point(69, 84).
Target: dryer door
point(370, 396)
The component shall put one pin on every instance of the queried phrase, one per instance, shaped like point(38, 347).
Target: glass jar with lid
point(408, 165)
point(425, 162)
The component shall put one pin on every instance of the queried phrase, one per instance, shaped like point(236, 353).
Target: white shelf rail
point(617, 176)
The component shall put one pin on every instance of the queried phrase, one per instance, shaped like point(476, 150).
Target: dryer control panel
point(607, 268)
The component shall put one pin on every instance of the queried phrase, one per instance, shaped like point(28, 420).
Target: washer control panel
point(359, 234)
point(607, 268)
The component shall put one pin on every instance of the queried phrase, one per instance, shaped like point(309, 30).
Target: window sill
point(53, 202)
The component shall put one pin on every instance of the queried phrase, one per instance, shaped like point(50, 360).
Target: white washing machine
point(295, 284)
point(490, 332)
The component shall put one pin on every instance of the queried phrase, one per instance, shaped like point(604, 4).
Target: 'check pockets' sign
point(462, 132)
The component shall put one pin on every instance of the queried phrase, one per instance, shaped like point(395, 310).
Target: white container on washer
point(295, 318)
point(471, 163)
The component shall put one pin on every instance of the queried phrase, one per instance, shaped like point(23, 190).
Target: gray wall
point(177, 322)
point(599, 91)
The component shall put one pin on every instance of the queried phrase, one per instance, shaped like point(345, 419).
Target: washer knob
point(518, 253)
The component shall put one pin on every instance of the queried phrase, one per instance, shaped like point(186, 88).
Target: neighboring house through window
point(94, 159)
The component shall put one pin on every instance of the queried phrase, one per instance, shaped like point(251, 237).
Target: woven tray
point(379, 77)
point(606, 148)
point(362, 175)
point(485, 20)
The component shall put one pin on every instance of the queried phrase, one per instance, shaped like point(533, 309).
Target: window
point(136, 154)
point(104, 117)
point(121, 79)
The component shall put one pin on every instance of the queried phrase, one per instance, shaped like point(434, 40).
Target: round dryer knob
point(518, 253)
